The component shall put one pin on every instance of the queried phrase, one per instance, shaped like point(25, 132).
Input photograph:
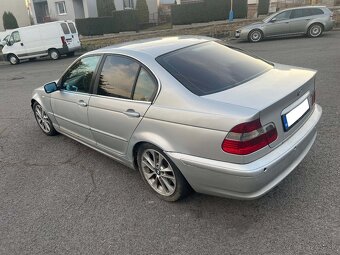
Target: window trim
point(59, 86)
point(58, 9)
point(96, 82)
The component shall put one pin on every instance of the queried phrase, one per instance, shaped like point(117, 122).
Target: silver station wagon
point(308, 20)
point(190, 113)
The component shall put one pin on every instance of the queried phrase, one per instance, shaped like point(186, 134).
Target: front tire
point(14, 60)
point(161, 174)
point(43, 120)
point(54, 54)
point(315, 30)
point(255, 35)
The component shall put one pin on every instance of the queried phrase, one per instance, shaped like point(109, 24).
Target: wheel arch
point(146, 138)
point(314, 23)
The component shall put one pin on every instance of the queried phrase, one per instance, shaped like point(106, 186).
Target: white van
point(49, 39)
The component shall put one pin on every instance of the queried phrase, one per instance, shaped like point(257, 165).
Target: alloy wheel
point(255, 36)
point(158, 172)
point(315, 31)
point(42, 119)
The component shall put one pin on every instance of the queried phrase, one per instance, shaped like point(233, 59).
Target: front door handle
point(82, 103)
point(132, 113)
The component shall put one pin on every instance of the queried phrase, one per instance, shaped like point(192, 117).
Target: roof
point(303, 7)
point(155, 46)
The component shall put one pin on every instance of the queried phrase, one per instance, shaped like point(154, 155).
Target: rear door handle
point(82, 103)
point(132, 113)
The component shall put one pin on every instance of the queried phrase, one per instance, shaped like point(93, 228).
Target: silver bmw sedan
point(308, 20)
point(190, 113)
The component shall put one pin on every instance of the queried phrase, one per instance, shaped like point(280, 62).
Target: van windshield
point(211, 67)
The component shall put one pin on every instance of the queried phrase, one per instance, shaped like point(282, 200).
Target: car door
point(278, 25)
point(67, 34)
point(299, 20)
point(123, 93)
point(75, 43)
point(17, 46)
point(70, 103)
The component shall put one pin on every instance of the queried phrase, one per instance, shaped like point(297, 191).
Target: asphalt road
point(60, 197)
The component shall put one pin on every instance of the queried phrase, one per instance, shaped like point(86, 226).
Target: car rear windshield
point(211, 67)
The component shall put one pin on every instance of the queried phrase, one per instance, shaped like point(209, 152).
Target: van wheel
point(70, 54)
point(54, 54)
point(13, 59)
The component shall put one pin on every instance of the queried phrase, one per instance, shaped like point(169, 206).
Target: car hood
point(253, 25)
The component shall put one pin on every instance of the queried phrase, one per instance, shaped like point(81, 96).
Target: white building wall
point(19, 10)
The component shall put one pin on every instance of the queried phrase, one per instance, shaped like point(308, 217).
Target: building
point(52, 10)
point(153, 6)
point(19, 10)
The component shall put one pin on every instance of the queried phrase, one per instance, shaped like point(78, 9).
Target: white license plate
point(295, 115)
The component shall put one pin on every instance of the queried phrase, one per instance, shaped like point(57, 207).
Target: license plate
point(295, 115)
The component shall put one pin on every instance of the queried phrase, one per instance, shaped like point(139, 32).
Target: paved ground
point(59, 197)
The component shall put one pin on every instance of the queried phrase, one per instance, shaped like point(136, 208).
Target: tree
point(105, 7)
point(9, 21)
point(143, 11)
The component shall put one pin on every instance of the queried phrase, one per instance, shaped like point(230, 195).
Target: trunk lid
point(274, 94)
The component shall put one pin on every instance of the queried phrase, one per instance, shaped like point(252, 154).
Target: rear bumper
point(249, 181)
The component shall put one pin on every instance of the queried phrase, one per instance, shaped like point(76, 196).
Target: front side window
point(283, 15)
point(61, 8)
point(78, 78)
point(211, 67)
point(15, 37)
point(118, 77)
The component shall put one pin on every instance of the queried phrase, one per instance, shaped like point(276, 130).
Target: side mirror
point(50, 87)
point(273, 20)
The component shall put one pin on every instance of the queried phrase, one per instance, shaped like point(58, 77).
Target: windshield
point(269, 18)
point(211, 67)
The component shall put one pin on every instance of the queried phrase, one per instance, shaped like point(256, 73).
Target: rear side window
point(299, 13)
point(315, 11)
point(72, 28)
point(146, 86)
point(65, 28)
point(211, 67)
point(118, 77)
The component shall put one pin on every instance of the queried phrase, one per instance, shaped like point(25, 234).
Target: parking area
point(59, 197)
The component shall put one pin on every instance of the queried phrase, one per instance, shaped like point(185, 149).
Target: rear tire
point(54, 54)
point(161, 174)
point(255, 35)
point(315, 30)
point(13, 59)
point(70, 54)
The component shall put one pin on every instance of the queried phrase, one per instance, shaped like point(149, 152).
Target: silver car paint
point(185, 125)
point(288, 27)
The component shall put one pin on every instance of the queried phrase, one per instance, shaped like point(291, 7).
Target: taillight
point(249, 137)
point(63, 40)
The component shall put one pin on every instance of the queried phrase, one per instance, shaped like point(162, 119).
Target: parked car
point(4, 36)
point(188, 112)
point(309, 20)
point(49, 39)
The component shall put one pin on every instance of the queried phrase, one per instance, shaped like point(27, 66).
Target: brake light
point(63, 40)
point(249, 137)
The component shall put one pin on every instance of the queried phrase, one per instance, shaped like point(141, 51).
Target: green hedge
point(119, 21)
point(209, 10)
